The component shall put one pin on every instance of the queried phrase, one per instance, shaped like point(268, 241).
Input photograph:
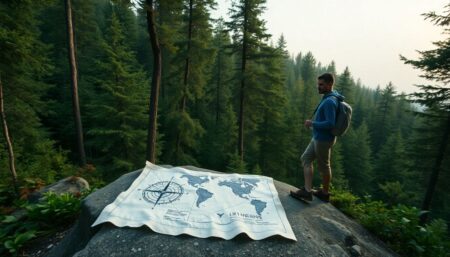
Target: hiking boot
point(321, 195)
point(302, 194)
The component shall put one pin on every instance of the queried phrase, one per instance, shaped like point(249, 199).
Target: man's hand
point(308, 123)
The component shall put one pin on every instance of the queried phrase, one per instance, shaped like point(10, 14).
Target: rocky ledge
point(320, 228)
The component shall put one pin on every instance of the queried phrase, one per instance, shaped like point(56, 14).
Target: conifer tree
point(382, 122)
point(363, 105)
point(156, 81)
point(273, 145)
point(337, 168)
point(332, 68)
point(24, 66)
point(170, 22)
point(288, 65)
point(74, 84)
point(309, 97)
point(5, 130)
point(357, 160)
point(298, 66)
point(217, 115)
point(403, 114)
point(119, 112)
point(294, 134)
point(434, 64)
point(123, 9)
point(249, 32)
point(86, 15)
point(391, 161)
point(345, 85)
point(290, 75)
point(191, 65)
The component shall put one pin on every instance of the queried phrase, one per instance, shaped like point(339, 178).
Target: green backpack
point(343, 118)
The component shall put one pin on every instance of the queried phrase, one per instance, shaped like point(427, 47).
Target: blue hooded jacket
point(325, 116)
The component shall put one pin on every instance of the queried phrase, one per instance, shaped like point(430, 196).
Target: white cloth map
point(202, 204)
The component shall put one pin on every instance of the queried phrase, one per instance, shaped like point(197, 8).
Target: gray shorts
point(320, 151)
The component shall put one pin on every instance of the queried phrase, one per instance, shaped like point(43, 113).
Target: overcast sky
point(366, 35)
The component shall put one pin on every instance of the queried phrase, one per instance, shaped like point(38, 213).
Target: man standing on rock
point(319, 148)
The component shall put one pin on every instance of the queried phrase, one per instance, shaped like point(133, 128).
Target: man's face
point(323, 87)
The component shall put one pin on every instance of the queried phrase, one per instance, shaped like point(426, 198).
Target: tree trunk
point(12, 166)
point(74, 81)
point(156, 80)
point(187, 61)
point(218, 86)
point(241, 92)
point(185, 78)
point(435, 173)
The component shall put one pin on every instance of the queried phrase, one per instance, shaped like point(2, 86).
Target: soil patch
point(40, 246)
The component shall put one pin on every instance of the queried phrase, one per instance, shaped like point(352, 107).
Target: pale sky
point(366, 35)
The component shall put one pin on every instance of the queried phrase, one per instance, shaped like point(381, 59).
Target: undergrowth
point(398, 225)
point(45, 217)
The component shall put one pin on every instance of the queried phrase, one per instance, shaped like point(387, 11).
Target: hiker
point(319, 148)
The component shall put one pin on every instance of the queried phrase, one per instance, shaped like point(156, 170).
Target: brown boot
point(302, 194)
point(321, 195)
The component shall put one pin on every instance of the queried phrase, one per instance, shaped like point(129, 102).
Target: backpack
point(343, 118)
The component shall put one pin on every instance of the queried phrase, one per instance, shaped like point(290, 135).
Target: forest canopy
point(231, 98)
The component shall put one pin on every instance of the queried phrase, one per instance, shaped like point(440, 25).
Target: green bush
point(14, 234)
point(7, 195)
point(345, 201)
point(41, 218)
point(55, 209)
point(397, 225)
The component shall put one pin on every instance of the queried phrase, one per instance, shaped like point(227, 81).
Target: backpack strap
point(317, 107)
point(338, 104)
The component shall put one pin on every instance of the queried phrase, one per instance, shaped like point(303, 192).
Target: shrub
point(14, 234)
point(41, 218)
point(398, 225)
point(345, 201)
point(55, 209)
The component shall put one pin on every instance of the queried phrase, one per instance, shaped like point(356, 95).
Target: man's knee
point(307, 160)
point(324, 168)
point(323, 157)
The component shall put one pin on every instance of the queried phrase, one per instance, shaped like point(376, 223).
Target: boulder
point(320, 228)
point(74, 185)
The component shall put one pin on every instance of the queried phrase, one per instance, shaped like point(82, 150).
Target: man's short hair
point(327, 78)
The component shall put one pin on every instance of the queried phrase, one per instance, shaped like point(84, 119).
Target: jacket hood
point(335, 94)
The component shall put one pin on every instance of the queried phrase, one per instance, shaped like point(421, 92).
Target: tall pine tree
point(119, 111)
point(249, 32)
point(24, 67)
point(191, 68)
point(435, 64)
point(218, 117)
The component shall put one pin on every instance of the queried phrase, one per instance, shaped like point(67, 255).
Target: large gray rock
point(321, 230)
point(73, 185)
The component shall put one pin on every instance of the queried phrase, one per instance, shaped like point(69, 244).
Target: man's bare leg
point(308, 173)
point(326, 178)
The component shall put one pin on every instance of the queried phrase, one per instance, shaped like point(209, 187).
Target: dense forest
point(231, 98)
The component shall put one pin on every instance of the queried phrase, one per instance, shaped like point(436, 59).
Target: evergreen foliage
point(345, 85)
point(435, 65)
point(119, 111)
point(230, 101)
point(24, 67)
point(218, 116)
point(249, 36)
point(190, 73)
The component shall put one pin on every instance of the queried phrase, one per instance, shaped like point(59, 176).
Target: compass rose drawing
point(162, 192)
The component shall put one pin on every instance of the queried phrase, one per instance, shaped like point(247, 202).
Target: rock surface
point(320, 228)
point(74, 185)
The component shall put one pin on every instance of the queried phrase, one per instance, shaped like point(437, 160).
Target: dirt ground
point(42, 245)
